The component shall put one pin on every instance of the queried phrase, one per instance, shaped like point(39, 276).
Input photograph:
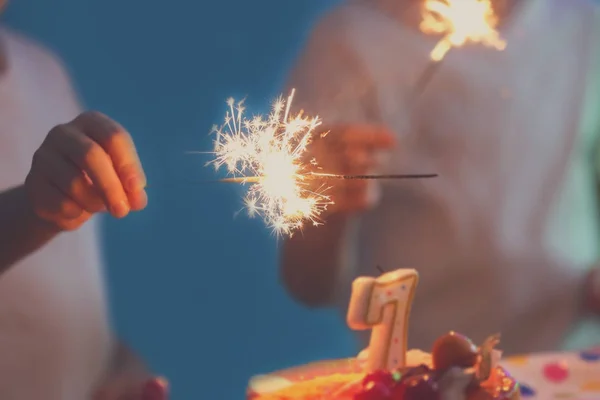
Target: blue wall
point(193, 289)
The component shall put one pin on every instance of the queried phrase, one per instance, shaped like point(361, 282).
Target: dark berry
point(418, 387)
point(384, 377)
point(453, 350)
point(374, 391)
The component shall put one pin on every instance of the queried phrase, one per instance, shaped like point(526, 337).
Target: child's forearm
point(22, 232)
point(312, 261)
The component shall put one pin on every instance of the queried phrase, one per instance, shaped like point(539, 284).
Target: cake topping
point(417, 383)
point(374, 390)
point(461, 371)
point(380, 376)
point(488, 357)
point(454, 350)
point(418, 387)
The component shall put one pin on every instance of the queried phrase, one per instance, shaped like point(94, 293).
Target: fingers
point(352, 150)
point(155, 389)
point(369, 136)
point(106, 154)
point(118, 144)
point(69, 180)
point(91, 158)
point(83, 167)
point(356, 160)
point(52, 205)
point(137, 200)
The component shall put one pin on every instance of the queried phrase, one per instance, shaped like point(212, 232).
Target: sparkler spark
point(273, 149)
point(461, 22)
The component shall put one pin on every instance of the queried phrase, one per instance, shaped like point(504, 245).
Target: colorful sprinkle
point(518, 360)
point(556, 372)
point(526, 391)
point(592, 386)
point(590, 356)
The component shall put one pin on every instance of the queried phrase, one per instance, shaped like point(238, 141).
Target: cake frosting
point(454, 369)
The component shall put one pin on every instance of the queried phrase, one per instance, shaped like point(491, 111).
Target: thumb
point(156, 389)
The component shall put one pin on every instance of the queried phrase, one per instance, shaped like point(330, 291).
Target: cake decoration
point(556, 372)
point(488, 358)
point(526, 391)
point(590, 356)
point(456, 369)
point(454, 349)
point(383, 305)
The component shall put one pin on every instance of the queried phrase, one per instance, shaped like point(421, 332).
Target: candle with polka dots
point(383, 305)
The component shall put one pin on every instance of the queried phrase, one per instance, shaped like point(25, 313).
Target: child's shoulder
point(25, 51)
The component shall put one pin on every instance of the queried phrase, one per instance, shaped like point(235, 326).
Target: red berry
point(384, 377)
point(374, 391)
point(418, 387)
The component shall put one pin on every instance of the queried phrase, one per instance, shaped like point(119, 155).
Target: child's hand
point(351, 150)
point(148, 389)
point(83, 167)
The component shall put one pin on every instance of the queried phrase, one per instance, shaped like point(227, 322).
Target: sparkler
point(324, 177)
point(270, 153)
point(460, 22)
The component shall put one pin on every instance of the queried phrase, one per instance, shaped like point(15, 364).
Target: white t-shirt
point(502, 238)
point(54, 336)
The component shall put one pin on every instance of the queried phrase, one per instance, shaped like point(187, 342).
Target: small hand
point(155, 389)
point(146, 389)
point(351, 150)
point(83, 167)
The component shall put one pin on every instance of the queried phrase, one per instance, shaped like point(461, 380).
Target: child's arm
point(22, 232)
point(83, 167)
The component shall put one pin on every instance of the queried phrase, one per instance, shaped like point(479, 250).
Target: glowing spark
point(461, 22)
point(273, 149)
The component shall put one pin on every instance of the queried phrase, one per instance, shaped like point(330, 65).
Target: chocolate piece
point(453, 350)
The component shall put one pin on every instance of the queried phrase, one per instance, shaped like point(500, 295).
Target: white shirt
point(502, 238)
point(54, 336)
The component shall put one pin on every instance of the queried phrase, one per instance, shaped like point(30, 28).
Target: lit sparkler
point(460, 22)
point(270, 153)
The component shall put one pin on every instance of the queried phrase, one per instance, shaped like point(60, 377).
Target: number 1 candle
point(383, 305)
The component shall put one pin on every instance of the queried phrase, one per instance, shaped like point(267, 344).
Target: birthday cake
point(454, 369)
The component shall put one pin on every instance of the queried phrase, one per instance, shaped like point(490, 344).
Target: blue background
point(195, 291)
